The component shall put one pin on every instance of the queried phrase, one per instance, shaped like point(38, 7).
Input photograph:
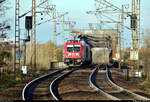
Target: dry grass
point(44, 55)
point(145, 55)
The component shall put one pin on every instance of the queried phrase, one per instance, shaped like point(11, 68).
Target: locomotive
point(77, 52)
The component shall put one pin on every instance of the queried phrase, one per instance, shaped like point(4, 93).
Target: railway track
point(75, 84)
point(55, 83)
point(45, 87)
point(106, 84)
point(94, 84)
point(37, 88)
point(76, 87)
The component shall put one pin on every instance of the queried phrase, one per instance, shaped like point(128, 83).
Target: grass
point(142, 83)
point(145, 85)
point(8, 80)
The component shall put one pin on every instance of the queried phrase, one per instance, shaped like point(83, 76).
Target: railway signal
point(28, 22)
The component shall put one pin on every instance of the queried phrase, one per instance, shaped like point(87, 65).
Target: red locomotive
point(77, 52)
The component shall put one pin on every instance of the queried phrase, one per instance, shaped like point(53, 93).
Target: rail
point(92, 80)
point(54, 84)
point(125, 90)
point(27, 92)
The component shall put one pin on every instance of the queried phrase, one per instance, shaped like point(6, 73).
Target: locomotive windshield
point(73, 48)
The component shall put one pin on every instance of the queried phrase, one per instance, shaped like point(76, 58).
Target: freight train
point(77, 52)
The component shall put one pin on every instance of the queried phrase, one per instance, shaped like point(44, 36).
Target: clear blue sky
point(76, 9)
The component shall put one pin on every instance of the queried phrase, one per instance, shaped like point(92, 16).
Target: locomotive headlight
point(67, 60)
point(77, 54)
point(68, 54)
point(79, 60)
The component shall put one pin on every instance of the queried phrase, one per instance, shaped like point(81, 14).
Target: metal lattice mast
point(17, 38)
point(136, 29)
point(70, 26)
point(122, 29)
point(70, 30)
point(121, 40)
point(63, 34)
point(33, 34)
point(135, 41)
point(54, 35)
point(106, 9)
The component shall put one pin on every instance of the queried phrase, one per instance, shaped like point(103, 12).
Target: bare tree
point(4, 26)
point(1, 1)
point(145, 54)
point(3, 7)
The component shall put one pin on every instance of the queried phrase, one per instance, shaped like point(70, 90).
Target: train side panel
point(100, 55)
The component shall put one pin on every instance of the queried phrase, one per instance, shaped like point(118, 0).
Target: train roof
point(74, 40)
point(77, 41)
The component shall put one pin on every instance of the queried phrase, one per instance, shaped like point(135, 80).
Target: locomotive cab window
point(73, 48)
